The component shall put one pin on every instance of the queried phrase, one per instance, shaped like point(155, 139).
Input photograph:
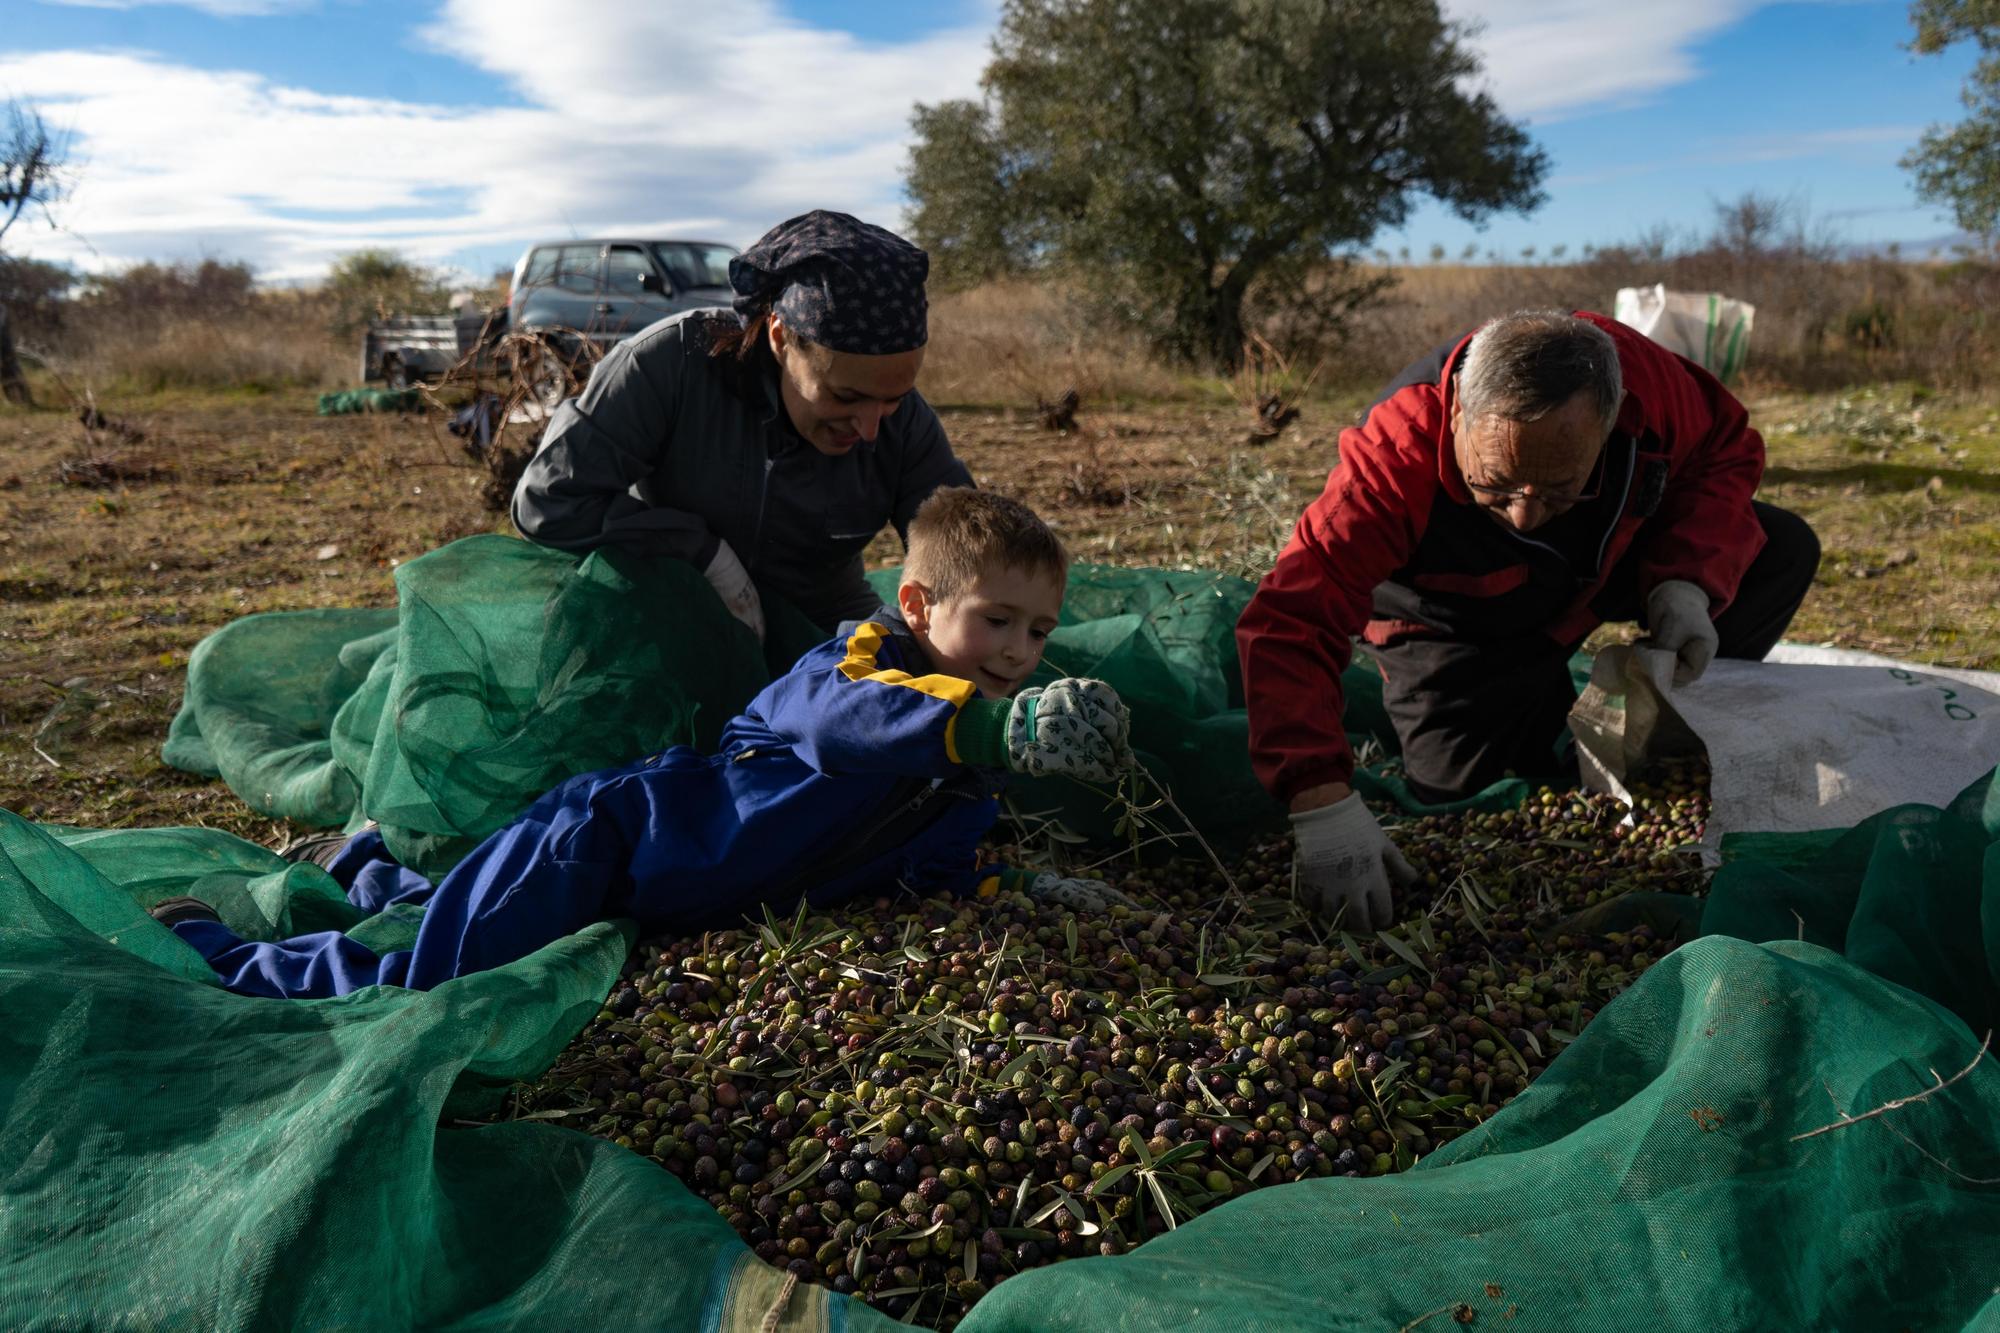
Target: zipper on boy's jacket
point(896, 826)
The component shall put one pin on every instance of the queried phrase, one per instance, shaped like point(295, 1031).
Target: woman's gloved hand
point(731, 581)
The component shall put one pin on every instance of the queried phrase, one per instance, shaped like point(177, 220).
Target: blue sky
point(1813, 102)
point(286, 132)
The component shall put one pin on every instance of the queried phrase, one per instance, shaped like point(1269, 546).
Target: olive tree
point(1177, 155)
point(1959, 165)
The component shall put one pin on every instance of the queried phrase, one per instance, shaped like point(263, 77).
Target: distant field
point(115, 558)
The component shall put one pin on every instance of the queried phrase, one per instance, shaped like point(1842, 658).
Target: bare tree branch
point(31, 172)
point(30, 164)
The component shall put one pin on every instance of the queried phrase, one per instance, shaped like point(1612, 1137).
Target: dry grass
point(1819, 324)
point(1018, 342)
point(222, 511)
point(1903, 487)
point(274, 342)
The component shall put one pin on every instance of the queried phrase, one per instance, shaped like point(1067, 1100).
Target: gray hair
point(1527, 364)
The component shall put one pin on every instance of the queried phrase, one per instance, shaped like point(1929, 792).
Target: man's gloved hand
point(1346, 863)
point(725, 574)
point(1677, 612)
point(1081, 895)
point(1072, 726)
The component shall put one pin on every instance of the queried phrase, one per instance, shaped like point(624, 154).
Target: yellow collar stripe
point(859, 665)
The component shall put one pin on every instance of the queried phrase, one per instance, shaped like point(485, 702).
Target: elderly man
point(1508, 494)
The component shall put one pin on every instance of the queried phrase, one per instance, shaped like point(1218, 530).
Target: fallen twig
point(1896, 1104)
point(1939, 1161)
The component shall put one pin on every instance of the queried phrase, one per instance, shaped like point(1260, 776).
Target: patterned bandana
point(834, 280)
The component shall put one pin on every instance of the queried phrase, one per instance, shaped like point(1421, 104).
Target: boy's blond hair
point(960, 533)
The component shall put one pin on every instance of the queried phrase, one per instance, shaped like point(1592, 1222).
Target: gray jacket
point(669, 451)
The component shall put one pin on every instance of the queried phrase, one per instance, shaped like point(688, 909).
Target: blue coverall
point(842, 776)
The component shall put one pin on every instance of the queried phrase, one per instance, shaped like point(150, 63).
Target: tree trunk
point(1225, 327)
point(13, 384)
point(1225, 299)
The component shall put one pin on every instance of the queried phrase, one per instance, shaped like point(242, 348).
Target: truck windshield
point(695, 265)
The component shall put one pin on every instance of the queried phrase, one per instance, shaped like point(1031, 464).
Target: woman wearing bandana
point(767, 445)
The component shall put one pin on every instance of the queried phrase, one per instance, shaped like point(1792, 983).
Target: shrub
point(375, 284)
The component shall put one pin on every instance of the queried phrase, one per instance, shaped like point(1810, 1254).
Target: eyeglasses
point(1506, 495)
point(1554, 499)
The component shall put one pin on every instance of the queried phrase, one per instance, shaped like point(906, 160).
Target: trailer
point(405, 350)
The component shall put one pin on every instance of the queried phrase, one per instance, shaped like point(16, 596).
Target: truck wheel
point(549, 384)
point(543, 377)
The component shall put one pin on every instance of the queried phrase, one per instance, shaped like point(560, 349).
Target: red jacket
point(1394, 548)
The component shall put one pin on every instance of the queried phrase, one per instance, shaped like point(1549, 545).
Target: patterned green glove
point(1079, 895)
point(1071, 726)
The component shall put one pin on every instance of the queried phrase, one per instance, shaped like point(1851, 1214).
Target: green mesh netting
point(506, 667)
point(177, 1156)
point(342, 402)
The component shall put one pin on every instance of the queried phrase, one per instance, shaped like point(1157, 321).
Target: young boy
point(874, 761)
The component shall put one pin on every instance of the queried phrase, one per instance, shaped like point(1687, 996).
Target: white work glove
point(725, 574)
point(1071, 726)
point(1345, 865)
point(1677, 612)
point(1080, 895)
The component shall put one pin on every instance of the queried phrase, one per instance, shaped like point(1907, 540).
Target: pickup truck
point(575, 292)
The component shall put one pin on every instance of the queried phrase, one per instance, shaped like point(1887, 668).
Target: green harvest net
point(179, 1157)
point(505, 668)
point(345, 401)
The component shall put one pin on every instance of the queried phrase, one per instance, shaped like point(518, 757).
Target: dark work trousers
point(1469, 714)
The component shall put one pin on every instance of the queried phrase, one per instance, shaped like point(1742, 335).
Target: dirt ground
point(118, 555)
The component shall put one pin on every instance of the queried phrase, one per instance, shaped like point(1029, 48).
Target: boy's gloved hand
point(1072, 726)
point(1677, 612)
point(1346, 864)
point(731, 581)
point(1082, 895)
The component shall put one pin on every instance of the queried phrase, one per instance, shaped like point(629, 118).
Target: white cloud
point(1850, 142)
point(679, 124)
point(1549, 59)
point(1862, 142)
point(680, 74)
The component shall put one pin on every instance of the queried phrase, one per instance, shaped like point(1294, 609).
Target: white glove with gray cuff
point(1346, 863)
point(725, 574)
point(1677, 614)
